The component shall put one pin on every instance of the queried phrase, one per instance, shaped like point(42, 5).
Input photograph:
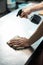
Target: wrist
point(31, 9)
point(29, 42)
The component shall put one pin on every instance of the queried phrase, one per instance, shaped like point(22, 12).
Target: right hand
point(25, 12)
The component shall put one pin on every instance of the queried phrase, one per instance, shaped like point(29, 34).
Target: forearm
point(37, 35)
point(37, 7)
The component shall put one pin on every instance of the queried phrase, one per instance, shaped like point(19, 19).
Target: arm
point(37, 7)
point(23, 42)
point(37, 35)
point(29, 10)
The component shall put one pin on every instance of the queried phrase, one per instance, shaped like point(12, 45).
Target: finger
point(17, 46)
point(15, 40)
point(12, 41)
point(25, 16)
point(22, 14)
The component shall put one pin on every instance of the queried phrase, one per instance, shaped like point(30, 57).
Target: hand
point(25, 12)
point(18, 42)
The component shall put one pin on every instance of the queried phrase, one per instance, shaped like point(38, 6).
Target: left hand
point(18, 42)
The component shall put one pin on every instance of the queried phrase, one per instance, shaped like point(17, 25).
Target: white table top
point(11, 26)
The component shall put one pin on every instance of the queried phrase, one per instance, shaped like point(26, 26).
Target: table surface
point(11, 26)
